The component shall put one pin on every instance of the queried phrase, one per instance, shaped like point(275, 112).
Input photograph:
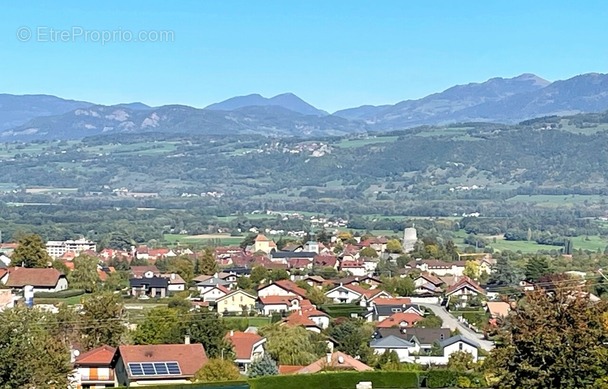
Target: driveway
point(450, 321)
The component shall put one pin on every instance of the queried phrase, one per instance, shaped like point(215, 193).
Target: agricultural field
point(203, 239)
point(356, 143)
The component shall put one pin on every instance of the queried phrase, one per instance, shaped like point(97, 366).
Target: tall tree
point(536, 268)
point(182, 266)
point(207, 263)
point(161, 325)
point(471, 269)
point(32, 357)
point(31, 252)
point(504, 273)
point(552, 339)
point(258, 274)
point(210, 330)
point(103, 320)
point(289, 345)
point(85, 274)
point(394, 246)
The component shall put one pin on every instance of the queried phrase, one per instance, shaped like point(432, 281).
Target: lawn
point(520, 245)
point(68, 300)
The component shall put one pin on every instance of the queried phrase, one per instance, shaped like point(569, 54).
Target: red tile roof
point(290, 286)
point(289, 369)
point(397, 319)
point(463, 283)
point(299, 319)
point(190, 357)
point(21, 276)
point(139, 271)
point(243, 343)
point(261, 238)
point(275, 300)
point(324, 261)
point(393, 301)
point(102, 355)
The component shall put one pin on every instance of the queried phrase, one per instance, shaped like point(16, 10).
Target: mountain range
point(503, 100)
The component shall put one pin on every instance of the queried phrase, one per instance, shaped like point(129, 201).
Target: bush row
point(341, 380)
point(61, 294)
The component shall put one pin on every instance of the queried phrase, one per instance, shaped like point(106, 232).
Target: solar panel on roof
point(155, 368)
point(173, 368)
point(136, 369)
point(161, 368)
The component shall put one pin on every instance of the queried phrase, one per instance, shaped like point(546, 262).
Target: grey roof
point(152, 282)
point(390, 342)
point(425, 336)
point(387, 310)
point(458, 338)
point(214, 281)
point(292, 254)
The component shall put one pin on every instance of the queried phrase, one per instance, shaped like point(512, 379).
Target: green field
point(203, 239)
point(354, 143)
point(591, 243)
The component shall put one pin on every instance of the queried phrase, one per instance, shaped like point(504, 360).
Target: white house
point(41, 279)
point(392, 343)
point(248, 348)
point(284, 288)
point(343, 295)
point(212, 294)
point(176, 282)
point(269, 304)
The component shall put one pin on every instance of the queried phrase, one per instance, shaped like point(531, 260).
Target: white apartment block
point(56, 248)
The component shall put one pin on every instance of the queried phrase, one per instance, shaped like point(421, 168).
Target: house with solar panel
point(160, 364)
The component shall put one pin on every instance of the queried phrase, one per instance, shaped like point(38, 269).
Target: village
point(419, 312)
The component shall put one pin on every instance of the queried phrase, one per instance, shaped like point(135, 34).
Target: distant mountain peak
point(532, 77)
point(286, 100)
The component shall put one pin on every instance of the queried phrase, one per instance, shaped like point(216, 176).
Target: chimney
point(231, 333)
point(172, 276)
point(187, 339)
point(328, 358)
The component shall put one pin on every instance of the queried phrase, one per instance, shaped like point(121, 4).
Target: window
point(395, 309)
point(460, 346)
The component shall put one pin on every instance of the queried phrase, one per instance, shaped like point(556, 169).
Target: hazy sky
point(333, 54)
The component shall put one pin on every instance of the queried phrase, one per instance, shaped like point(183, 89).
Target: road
point(450, 321)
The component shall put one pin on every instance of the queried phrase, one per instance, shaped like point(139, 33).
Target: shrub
point(338, 380)
point(61, 294)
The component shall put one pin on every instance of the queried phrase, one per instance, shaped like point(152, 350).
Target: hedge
point(61, 294)
point(339, 380)
point(201, 385)
point(452, 379)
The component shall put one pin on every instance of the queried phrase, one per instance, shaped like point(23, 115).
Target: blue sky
point(333, 54)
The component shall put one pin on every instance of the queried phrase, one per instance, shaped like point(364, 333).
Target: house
point(248, 347)
point(144, 271)
point(465, 289)
point(176, 282)
point(41, 279)
point(356, 268)
point(343, 294)
point(263, 244)
point(268, 305)
point(335, 361)
point(427, 278)
point(308, 317)
point(386, 307)
point(230, 277)
point(164, 364)
point(439, 268)
point(7, 300)
point(423, 339)
point(459, 343)
point(95, 368)
point(393, 343)
point(235, 302)
point(207, 284)
point(282, 288)
point(498, 309)
point(321, 261)
point(153, 286)
point(371, 281)
point(400, 320)
point(317, 281)
point(213, 293)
